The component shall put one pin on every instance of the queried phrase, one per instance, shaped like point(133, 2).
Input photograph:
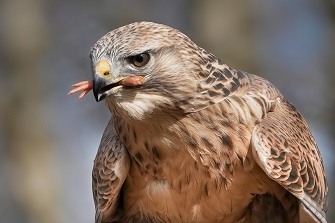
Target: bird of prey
point(194, 140)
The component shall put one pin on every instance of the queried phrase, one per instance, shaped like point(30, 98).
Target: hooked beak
point(101, 80)
point(98, 84)
point(104, 84)
point(102, 87)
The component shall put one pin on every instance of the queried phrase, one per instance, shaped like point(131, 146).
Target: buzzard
point(194, 140)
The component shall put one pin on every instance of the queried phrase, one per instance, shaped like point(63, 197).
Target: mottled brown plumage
point(197, 141)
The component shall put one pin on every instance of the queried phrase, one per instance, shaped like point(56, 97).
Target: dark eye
point(139, 60)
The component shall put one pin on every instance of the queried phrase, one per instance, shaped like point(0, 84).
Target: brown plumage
point(193, 140)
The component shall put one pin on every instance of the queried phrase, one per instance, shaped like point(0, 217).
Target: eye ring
point(139, 60)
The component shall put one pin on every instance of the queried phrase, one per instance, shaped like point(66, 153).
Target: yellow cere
point(103, 68)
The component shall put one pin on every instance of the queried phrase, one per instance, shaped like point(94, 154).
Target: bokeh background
point(48, 140)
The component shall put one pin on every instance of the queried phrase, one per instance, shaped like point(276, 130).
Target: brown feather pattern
point(199, 141)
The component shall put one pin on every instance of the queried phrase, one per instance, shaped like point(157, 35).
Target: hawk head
point(143, 68)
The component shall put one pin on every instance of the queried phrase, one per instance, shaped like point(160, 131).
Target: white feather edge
point(313, 210)
point(309, 209)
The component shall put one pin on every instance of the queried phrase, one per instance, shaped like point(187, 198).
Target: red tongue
point(132, 81)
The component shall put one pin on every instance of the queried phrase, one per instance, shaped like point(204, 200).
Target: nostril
point(106, 73)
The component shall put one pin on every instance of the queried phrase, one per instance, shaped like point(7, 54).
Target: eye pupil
point(140, 60)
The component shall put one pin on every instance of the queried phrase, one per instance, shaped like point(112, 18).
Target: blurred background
point(48, 140)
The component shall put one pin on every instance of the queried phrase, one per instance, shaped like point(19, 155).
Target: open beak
point(98, 84)
point(104, 84)
point(102, 87)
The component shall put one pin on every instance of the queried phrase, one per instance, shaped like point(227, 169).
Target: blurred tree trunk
point(27, 141)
